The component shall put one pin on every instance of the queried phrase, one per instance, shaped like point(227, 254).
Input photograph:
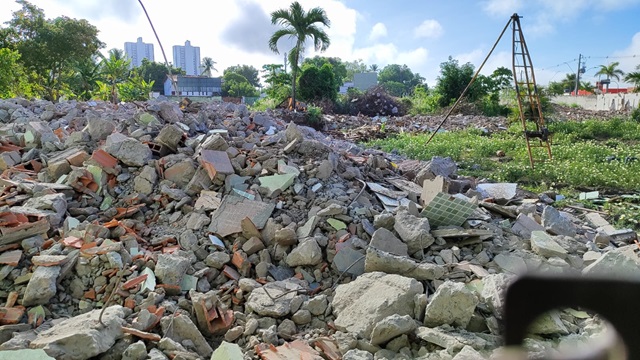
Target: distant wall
point(613, 102)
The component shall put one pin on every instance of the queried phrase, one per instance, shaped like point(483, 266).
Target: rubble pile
point(142, 231)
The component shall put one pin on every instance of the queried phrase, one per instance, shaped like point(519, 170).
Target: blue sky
point(421, 34)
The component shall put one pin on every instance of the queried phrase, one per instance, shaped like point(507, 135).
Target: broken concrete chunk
point(170, 136)
point(308, 252)
point(279, 303)
point(555, 223)
point(414, 231)
point(42, 286)
point(452, 304)
point(180, 173)
point(180, 328)
point(128, 150)
point(307, 229)
point(524, 225)
point(385, 240)
point(431, 188)
point(277, 182)
point(544, 245)
point(82, 336)
point(226, 220)
point(364, 302)
point(145, 182)
point(216, 162)
point(614, 263)
point(171, 268)
point(498, 191)
point(377, 260)
point(391, 327)
point(227, 351)
point(9, 159)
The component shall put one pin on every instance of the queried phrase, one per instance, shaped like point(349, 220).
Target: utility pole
point(578, 74)
point(285, 63)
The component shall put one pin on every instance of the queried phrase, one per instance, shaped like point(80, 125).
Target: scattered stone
point(385, 240)
point(361, 304)
point(128, 150)
point(171, 268)
point(308, 252)
point(42, 286)
point(82, 336)
point(391, 327)
point(555, 223)
point(377, 260)
point(414, 231)
point(544, 245)
point(180, 328)
point(452, 304)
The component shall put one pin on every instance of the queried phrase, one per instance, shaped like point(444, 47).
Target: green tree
point(207, 66)
point(135, 88)
point(374, 68)
point(236, 85)
point(634, 78)
point(156, 73)
point(610, 71)
point(317, 83)
point(115, 71)
point(454, 78)
point(13, 81)
point(501, 78)
point(354, 67)
point(84, 77)
point(278, 81)
point(50, 47)
point(339, 67)
point(298, 24)
point(249, 72)
point(399, 80)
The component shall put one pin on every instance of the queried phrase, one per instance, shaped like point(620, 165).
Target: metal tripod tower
point(526, 92)
point(535, 131)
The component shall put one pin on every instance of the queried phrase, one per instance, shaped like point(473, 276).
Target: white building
point(136, 51)
point(187, 58)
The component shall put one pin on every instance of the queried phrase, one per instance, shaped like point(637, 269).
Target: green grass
point(581, 161)
point(581, 154)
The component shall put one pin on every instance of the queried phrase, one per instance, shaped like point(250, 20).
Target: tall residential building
point(187, 58)
point(136, 51)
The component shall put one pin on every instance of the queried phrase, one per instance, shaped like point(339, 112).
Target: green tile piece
point(277, 182)
point(337, 224)
point(445, 210)
point(227, 351)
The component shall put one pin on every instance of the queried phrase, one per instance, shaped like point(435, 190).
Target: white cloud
point(428, 29)
point(502, 7)
point(628, 58)
point(378, 31)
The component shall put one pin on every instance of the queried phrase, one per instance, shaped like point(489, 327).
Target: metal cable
point(473, 79)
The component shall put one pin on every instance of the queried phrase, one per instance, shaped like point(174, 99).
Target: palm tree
point(116, 54)
point(207, 66)
point(115, 70)
point(610, 71)
point(634, 78)
point(86, 77)
point(373, 67)
point(299, 25)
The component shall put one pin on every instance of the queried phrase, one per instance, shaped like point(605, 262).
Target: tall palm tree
point(374, 67)
point(298, 24)
point(634, 78)
point(87, 74)
point(207, 66)
point(610, 71)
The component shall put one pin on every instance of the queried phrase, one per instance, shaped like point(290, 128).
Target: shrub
point(635, 114)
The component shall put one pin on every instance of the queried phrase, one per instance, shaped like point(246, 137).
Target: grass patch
point(591, 155)
point(595, 155)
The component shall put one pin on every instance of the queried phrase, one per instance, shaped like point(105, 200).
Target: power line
point(569, 62)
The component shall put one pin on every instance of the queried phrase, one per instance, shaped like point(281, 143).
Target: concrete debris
point(214, 222)
point(451, 304)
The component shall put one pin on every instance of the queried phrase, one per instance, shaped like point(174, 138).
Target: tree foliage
point(354, 67)
point(115, 70)
point(50, 47)
point(156, 72)
point(236, 85)
point(454, 78)
point(399, 80)
point(634, 78)
point(339, 67)
point(249, 72)
point(13, 81)
point(610, 71)
point(317, 83)
point(207, 66)
point(300, 25)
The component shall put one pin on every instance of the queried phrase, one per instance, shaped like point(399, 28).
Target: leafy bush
point(424, 102)
point(314, 116)
point(635, 114)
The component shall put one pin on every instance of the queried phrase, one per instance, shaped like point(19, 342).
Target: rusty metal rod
point(473, 79)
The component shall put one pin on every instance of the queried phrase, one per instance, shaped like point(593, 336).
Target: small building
point(365, 81)
point(193, 86)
